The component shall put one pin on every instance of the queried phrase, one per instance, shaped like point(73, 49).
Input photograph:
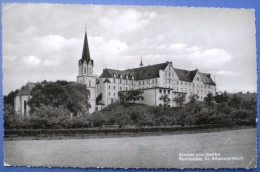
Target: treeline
point(63, 105)
point(59, 104)
point(219, 109)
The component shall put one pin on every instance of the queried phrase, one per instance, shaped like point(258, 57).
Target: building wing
point(185, 75)
point(206, 79)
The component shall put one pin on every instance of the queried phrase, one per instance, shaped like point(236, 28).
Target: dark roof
point(207, 79)
point(26, 89)
point(109, 73)
point(85, 52)
point(146, 72)
point(185, 75)
point(106, 81)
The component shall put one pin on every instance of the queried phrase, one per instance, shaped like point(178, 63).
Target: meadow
point(138, 152)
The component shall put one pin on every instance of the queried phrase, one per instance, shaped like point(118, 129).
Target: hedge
point(53, 132)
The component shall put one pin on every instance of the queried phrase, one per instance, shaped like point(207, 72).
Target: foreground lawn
point(141, 152)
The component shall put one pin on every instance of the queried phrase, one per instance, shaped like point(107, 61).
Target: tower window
point(89, 82)
point(85, 70)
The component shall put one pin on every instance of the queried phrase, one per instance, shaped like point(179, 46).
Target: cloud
point(55, 42)
point(117, 45)
point(119, 21)
point(50, 63)
point(225, 73)
point(211, 57)
point(32, 60)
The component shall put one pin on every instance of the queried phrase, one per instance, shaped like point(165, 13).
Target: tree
point(120, 116)
point(221, 97)
point(9, 99)
point(193, 109)
point(48, 94)
point(209, 100)
point(122, 97)
point(166, 100)
point(193, 98)
point(48, 117)
point(71, 96)
point(10, 117)
point(235, 101)
point(77, 98)
point(179, 100)
point(134, 95)
point(98, 119)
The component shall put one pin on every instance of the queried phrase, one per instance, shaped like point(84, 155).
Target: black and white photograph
point(129, 86)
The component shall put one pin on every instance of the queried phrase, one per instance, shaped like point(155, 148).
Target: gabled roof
point(185, 75)
point(106, 81)
point(151, 71)
point(26, 89)
point(109, 73)
point(206, 79)
point(85, 52)
point(146, 72)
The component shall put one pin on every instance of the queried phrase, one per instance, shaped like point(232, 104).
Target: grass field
point(141, 152)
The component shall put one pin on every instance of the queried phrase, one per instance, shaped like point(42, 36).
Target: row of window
point(164, 91)
point(114, 88)
point(186, 83)
point(152, 81)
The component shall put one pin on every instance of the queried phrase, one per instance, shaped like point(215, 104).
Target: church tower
point(85, 74)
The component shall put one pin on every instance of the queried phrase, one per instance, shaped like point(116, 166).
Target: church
point(154, 81)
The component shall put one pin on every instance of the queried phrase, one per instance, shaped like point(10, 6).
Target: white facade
point(168, 82)
point(21, 100)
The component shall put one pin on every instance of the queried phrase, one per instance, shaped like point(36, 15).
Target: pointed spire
point(85, 52)
point(141, 64)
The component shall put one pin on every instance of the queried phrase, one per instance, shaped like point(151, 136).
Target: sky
point(45, 41)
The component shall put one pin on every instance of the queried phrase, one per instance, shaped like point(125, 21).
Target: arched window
point(89, 83)
point(85, 70)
